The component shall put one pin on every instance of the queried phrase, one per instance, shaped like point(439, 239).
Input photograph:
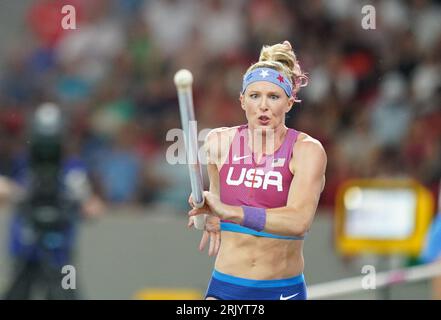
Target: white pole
point(184, 80)
point(350, 285)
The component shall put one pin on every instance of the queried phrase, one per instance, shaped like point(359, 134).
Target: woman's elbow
point(298, 229)
point(298, 224)
point(301, 230)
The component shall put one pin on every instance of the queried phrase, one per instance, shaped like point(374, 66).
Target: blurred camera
point(44, 205)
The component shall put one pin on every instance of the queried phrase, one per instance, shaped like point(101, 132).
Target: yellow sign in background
point(411, 244)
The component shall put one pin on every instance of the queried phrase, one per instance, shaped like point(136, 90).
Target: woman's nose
point(263, 104)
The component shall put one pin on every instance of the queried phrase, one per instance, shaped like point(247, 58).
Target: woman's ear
point(242, 101)
point(290, 104)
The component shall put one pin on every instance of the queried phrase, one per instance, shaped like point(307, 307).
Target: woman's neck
point(266, 141)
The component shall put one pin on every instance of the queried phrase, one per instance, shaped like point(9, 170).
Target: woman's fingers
point(203, 243)
point(214, 238)
point(190, 201)
point(215, 241)
point(218, 242)
point(190, 222)
point(196, 211)
point(212, 244)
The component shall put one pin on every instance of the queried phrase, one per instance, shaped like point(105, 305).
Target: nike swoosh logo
point(288, 297)
point(236, 158)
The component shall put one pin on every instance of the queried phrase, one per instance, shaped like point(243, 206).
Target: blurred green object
point(140, 49)
point(123, 108)
point(412, 261)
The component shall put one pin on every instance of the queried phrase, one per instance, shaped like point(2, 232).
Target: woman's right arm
point(214, 147)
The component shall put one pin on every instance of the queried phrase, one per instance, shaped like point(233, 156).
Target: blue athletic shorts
point(226, 287)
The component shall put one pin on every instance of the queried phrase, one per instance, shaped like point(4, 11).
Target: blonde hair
point(282, 58)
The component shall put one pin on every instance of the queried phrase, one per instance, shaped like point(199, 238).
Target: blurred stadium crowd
point(374, 97)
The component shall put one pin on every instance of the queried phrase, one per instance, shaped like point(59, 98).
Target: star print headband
point(270, 75)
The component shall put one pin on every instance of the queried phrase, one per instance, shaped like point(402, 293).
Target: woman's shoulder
point(218, 141)
point(307, 151)
point(222, 136)
point(307, 146)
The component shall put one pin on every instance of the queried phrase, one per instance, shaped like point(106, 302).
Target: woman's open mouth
point(264, 120)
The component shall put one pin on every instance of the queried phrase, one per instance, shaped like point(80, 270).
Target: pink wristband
point(254, 218)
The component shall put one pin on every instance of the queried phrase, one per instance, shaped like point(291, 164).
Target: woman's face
point(265, 105)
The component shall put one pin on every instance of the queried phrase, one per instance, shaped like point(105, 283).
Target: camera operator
point(50, 192)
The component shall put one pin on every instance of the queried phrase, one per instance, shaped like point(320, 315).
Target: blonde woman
point(265, 184)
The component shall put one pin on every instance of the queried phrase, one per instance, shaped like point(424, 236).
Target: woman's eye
point(253, 96)
point(274, 97)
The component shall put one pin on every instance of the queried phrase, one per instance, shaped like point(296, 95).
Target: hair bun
point(288, 44)
point(281, 57)
point(281, 52)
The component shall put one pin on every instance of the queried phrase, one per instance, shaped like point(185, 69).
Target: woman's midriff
point(260, 258)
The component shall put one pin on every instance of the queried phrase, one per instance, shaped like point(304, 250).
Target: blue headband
point(267, 74)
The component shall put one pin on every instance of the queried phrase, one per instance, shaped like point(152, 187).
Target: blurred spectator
point(221, 26)
point(391, 114)
point(44, 19)
point(90, 49)
point(119, 169)
point(171, 23)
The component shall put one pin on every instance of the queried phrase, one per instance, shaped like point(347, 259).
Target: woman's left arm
point(294, 219)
